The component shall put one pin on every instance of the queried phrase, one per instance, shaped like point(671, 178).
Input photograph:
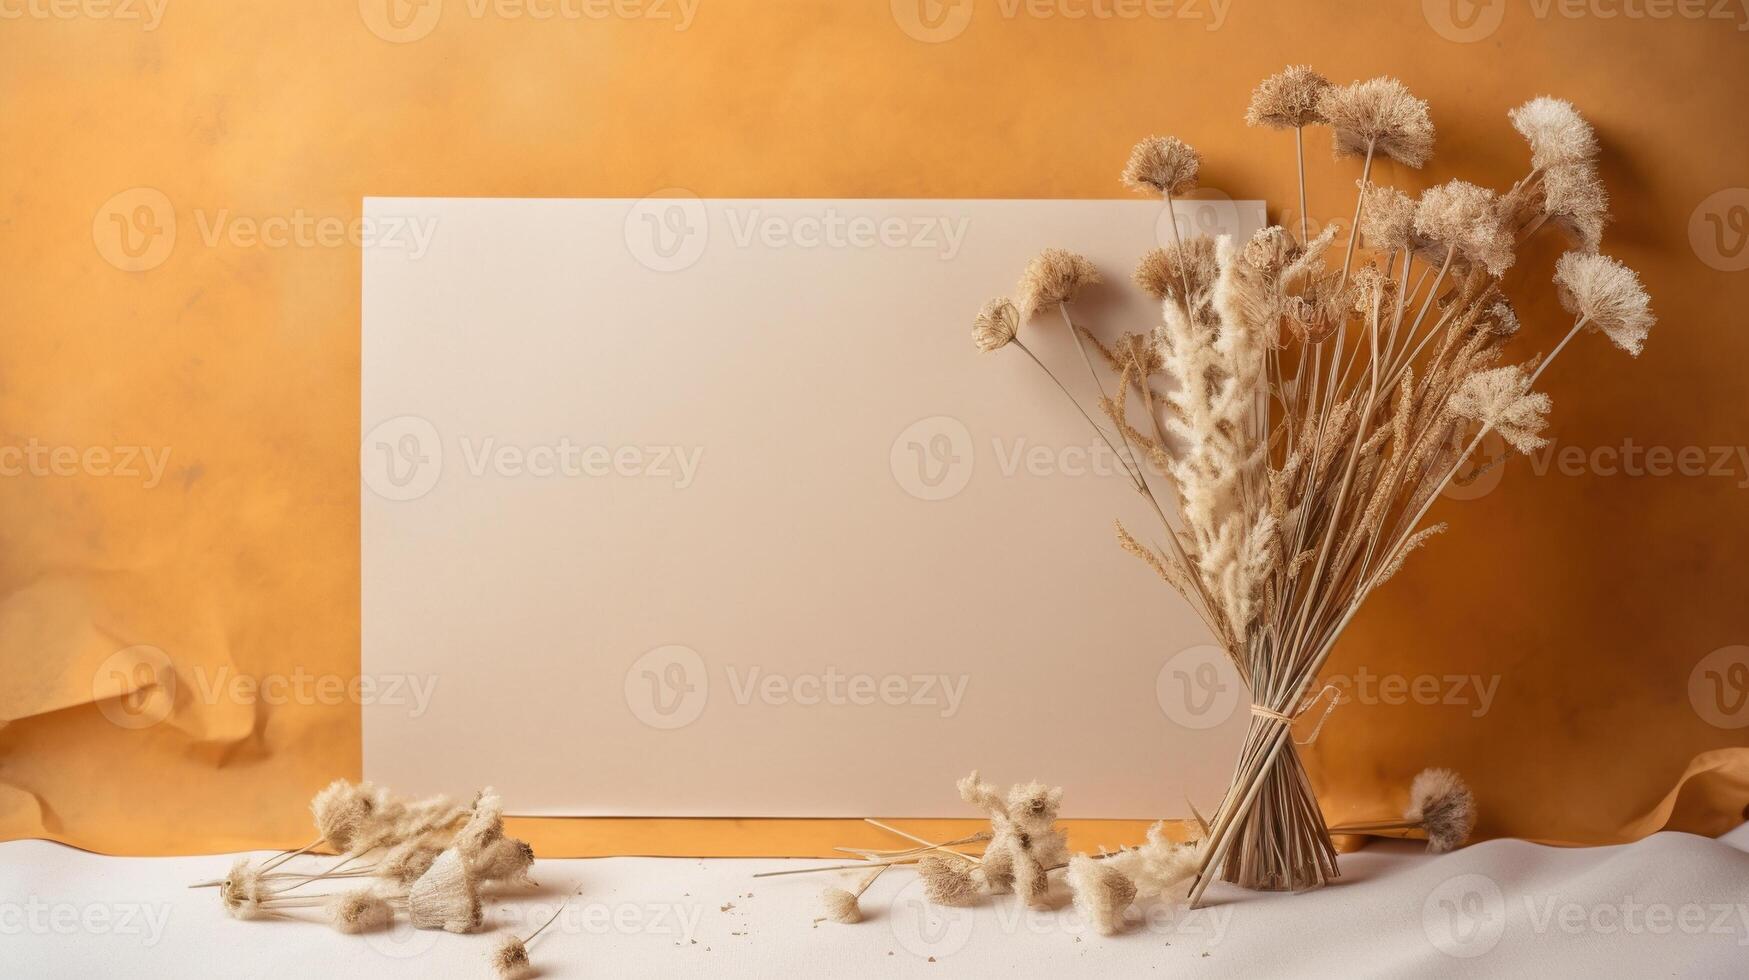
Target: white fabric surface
point(1671, 905)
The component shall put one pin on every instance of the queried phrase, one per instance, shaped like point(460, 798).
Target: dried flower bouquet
point(1305, 410)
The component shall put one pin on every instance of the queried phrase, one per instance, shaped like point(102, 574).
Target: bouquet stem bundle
point(1304, 415)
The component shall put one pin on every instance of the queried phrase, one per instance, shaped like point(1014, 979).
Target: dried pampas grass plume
point(1608, 296)
point(1102, 893)
point(1501, 399)
point(1444, 807)
point(1052, 279)
point(1287, 99)
point(1164, 165)
point(996, 325)
point(445, 897)
point(1461, 215)
point(948, 881)
point(359, 911)
point(1557, 134)
point(510, 960)
point(1378, 116)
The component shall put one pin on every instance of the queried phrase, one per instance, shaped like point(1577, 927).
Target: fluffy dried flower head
point(982, 795)
point(1557, 134)
point(1500, 319)
point(1380, 115)
point(1170, 270)
point(1388, 221)
point(841, 906)
point(1163, 165)
point(1053, 279)
point(1034, 805)
point(1469, 218)
point(1159, 868)
point(359, 911)
point(445, 896)
point(1102, 893)
point(1371, 289)
point(485, 827)
point(510, 959)
point(1574, 198)
point(344, 813)
point(948, 881)
point(1287, 99)
point(241, 891)
point(506, 860)
point(1501, 398)
point(995, 326)
point(406, 861)
point(1444, 807)
point(1608, 294)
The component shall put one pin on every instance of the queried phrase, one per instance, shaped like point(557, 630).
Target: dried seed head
point(1379, 114)
point(445, 896)
point(1609, 294)
point(406, 861)
point(1034, 805)
point(1557, 134)
point(1168, 271)
point(841, 906)
point(948, 881)
point(1469, 218)
point(242, 892)
point(510, 959)
point(1501, 398)
point(359, 911)
point(1102, 893)
point(1388, 221)
point(344, 813)
point(1500, 319)
point(1444, 807)
point(506, 860)
point(1287, 99)
point(1162, 165)
point(1052, 279)
point(995, 326)
point(1576, 202)
point(484, 828)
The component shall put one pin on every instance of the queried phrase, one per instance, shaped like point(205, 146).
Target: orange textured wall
point(1590, 601)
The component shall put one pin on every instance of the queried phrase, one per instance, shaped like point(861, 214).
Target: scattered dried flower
point(1287, 99)
point(1501, 399)
point(1052, 279)
point(1469, 218)
point(1557, 134)
point(1164, 165)
point(1444, 807)
point(359, 911)
point(841, 906)
point(1378, 116)
point(948, 880)
point(1608, 295)
point(445, 897)
point(995, 326)
point(510, 959)
point(1102, 893)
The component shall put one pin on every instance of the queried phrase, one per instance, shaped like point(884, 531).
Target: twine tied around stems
point(1276, 716)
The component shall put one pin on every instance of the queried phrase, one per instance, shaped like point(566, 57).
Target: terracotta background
point(1593, 598)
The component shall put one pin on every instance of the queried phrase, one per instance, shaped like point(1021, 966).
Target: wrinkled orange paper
point(136, 596)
